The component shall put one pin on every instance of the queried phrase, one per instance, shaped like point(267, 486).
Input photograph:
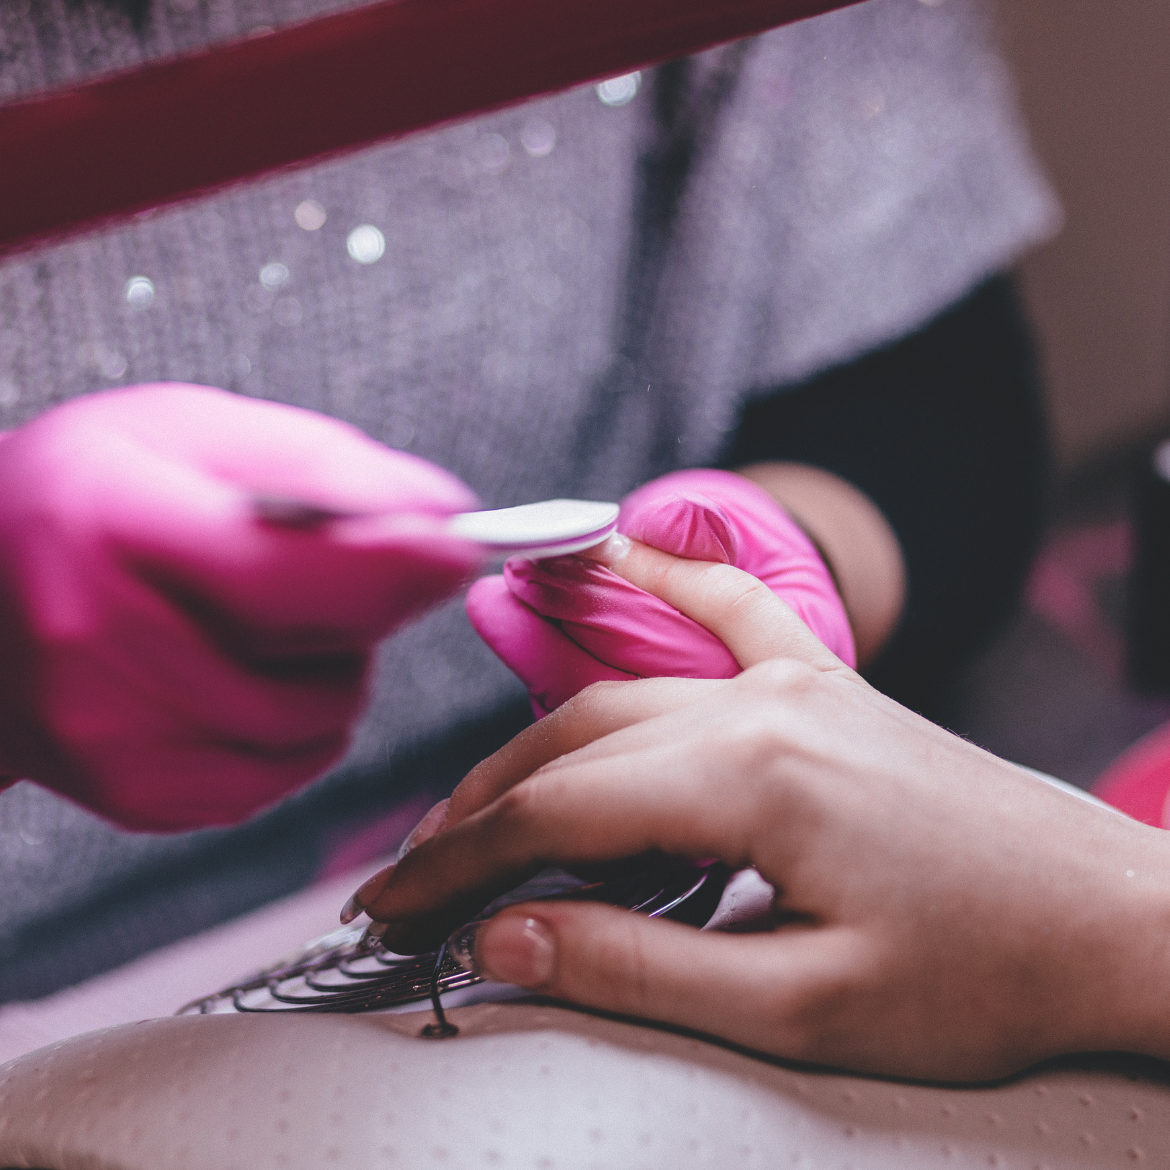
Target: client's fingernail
point(516, 950)
point(431, 823)
point(366, 893)
point(611, 550)
point(374, 933)
point(461, 946)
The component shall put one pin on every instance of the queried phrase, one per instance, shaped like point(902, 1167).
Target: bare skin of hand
point(947, 916)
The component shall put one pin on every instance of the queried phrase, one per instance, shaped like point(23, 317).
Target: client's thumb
point(615, 960)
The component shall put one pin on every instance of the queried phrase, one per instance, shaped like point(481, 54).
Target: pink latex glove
point(166, 658)
point(566, 622)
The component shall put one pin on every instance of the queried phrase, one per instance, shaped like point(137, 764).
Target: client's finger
point(755, 990)
point(739, 609)
point(595, 713)
point(656, 797)
point(593, 721)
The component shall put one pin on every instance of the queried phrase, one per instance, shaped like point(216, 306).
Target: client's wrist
point(1130, 1009)
point(854, 538)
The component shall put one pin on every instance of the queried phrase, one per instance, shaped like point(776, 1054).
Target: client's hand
point(940, 913)
point(563, 623)
point(166, 657)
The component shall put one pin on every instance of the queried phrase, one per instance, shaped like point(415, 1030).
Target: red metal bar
point(80, 156)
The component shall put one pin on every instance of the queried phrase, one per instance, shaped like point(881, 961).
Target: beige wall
point(1094, 77)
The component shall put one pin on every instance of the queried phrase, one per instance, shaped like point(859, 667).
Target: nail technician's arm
point(940, 913)
point(169, 660)
point(855, 539)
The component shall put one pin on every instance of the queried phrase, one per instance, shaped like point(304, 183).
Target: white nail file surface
point(550, 528)
point(546, 529)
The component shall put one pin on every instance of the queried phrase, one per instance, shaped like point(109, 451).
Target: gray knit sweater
point(549, 305)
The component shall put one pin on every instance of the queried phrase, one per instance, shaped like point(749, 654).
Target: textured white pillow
point(530, 1087)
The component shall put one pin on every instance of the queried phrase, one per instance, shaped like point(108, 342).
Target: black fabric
point(945, 432)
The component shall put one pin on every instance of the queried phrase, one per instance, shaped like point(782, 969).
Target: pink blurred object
point(1138, 781)
point(564, 623)
point(171, 660)
point(1064, 585)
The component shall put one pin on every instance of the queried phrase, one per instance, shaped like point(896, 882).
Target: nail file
point(546, 529)
point(549, 528)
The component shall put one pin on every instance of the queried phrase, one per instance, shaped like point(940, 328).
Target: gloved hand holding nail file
point(564, 623)
point(170, 658)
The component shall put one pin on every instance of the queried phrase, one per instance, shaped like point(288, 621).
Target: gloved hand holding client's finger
point(564, 623)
